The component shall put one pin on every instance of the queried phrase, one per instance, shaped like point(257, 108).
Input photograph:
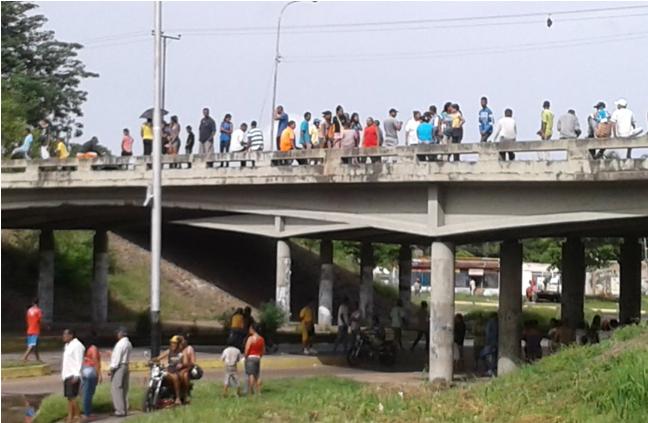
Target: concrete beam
point(366, 277)
point(573, 282)
point(405, 274)
point(325, 308)
point(283, 275)
point(46, 274)
point(441, 311)
point(101, 263)
point(510, 307)
point(630, 296)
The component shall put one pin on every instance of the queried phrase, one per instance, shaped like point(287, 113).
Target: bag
point(603, 130)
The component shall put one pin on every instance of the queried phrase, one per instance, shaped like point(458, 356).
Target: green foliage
point(41, 76)
point(272, 317)
point(387, 292)
point(482, 249)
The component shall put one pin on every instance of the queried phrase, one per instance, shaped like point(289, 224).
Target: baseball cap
point(599, 105)
point(392, 110)
point(621, 102)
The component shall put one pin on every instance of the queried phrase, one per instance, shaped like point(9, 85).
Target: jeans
point(88, 386)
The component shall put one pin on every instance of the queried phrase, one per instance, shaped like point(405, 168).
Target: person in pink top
point(254, 350)
point(127, 144)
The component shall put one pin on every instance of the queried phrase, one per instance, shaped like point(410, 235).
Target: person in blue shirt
point(486, 120)
point(425, 134)
point(305, 140)
point(23, 150)
point(282, 123)
point(226, 130)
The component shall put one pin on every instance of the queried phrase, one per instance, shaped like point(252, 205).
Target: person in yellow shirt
point(237, 329)
point(546, 122)
point(61, 150)
point(287, 139)
point(147, 137)
point(307, 327)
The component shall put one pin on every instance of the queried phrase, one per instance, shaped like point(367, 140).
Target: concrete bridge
point(408, 195)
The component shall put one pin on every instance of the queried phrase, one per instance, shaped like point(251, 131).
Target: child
point(231, 356)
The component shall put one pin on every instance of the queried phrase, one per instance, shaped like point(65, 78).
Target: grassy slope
point(603, 383)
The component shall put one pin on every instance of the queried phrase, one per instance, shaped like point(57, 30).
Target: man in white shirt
point(238, 141)
point(411, 126)
point(506, 131)
point(342, 325)
point(119, 373)
point(71, 372)
point(623, 123)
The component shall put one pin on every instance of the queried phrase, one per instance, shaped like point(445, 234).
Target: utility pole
point(156, 209)
point(165, 37)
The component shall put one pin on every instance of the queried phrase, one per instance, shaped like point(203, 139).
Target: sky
point(356, 54)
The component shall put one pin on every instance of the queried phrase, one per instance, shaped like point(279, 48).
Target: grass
point(54, 407)
point(11, 364)
point(602, 383)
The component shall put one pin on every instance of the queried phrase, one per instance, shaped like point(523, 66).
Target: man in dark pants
point(206, 133)
point(71, 372)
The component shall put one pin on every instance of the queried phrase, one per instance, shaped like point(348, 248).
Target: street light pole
point(156, 209)
point(277, 59)
point(165, 37)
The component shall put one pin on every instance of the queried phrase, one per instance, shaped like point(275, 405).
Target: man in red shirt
point(370, 137)
point(33, 317)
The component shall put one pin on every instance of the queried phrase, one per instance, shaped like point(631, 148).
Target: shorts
point(71, 387)
point(253, 366)
point(231, 377)
point(32, 340)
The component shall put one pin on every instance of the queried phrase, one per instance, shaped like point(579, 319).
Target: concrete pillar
point(325, 309)
point(283, 275)
point(405, 274)
point(366, 277)
point(510, 307)
point(46, 274)
point(630, 296)
point(573, 282)
point(441, 311)
point(99, 288)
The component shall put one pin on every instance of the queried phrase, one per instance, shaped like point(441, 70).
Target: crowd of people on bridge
point(340, 129)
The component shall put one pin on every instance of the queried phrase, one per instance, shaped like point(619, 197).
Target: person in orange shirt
point(33, 317)
point(287, 140)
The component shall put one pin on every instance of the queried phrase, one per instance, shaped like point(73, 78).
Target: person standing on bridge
point(486, 120)
point(506, 131)
point(226, 129)
point(33, 317)
point(147, 136)
point(326, 130)
point(457, 127)
point(127, 144)
point(568, 126)
point(174, 136)
point(411, 126)
point(189, 142)
point(282, 122)
point(255, 138)
point(392, 126)
point(206, 133)
point(370, 137)
point(305, 140)
point(313, 129)
point(546, 126)
point(287, 139)
point(23, 150)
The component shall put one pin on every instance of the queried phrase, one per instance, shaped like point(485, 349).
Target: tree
point(40, 75)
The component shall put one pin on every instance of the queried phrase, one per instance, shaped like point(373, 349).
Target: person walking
point(342, 326)
point(411, 137)
point(568, 125)
point(127, 143)
point(506, 131)
point(90, 377)
point(22, 152)
point(486, 120)
point(119, 373)
point(307, 326)
point(147, 137)
point(282, 122)
point(423, 326)
point(392, 126)
point(254, 350)
point(71, 372)
point(255, 137)
point(305, 141)
point(206, 133)
point(33, 318)
point(397, 315)
point(189, 142)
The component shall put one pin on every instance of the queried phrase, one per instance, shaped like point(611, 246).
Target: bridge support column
point(573, 282)
point(510, 307)
point(100, 277)
point(283, 275)
point(630, 296)
point(46, 274)
point(325, 308)
point(405, 274)
point(366, 277)
point(441, 311)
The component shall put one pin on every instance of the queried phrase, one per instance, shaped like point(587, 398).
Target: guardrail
point(569, 149)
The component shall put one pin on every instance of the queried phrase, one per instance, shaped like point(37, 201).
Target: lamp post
point(156, 209)
point(277, 59)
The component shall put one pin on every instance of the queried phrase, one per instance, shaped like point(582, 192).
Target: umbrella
point(148, 114)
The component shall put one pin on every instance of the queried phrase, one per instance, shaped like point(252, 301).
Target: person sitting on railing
point(61, 150)
point(568, 125)
point(602, 127)
point(22, 152)
point(506, 130)
point(623, 123)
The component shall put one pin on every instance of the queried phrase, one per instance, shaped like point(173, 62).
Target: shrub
point(271, 317)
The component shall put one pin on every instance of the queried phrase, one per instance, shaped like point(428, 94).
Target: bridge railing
point(568, 149)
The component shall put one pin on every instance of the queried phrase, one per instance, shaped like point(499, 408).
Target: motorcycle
point(159, 393)
point(366, 347)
